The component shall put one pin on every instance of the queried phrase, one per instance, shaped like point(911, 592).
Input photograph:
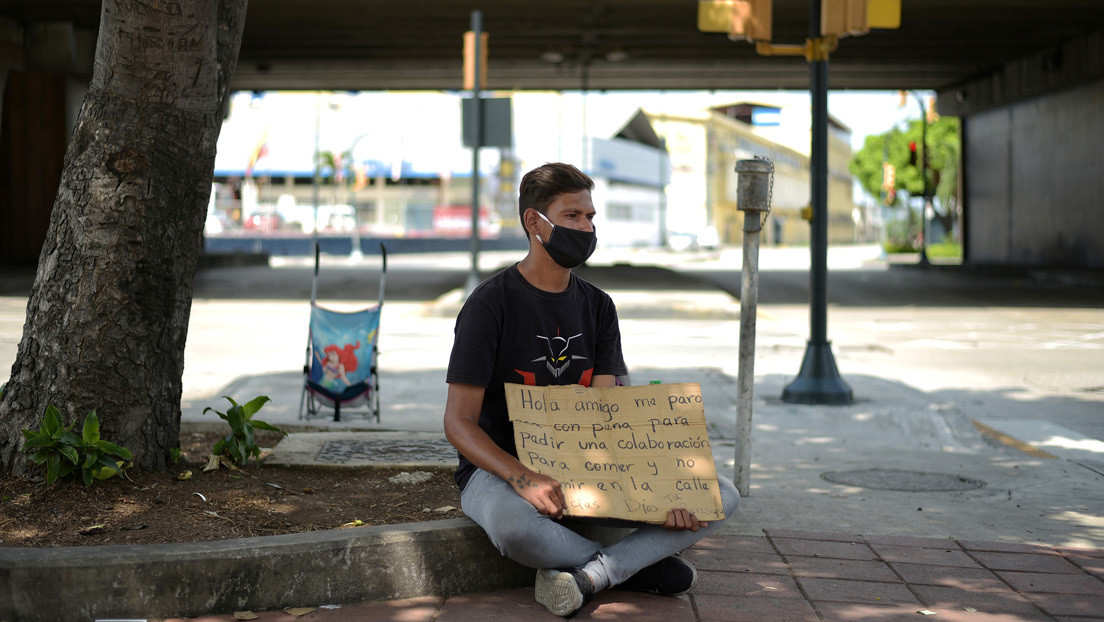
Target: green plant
point(62, 452)
point(945, 249)
point(900, 237)
point(239, 444)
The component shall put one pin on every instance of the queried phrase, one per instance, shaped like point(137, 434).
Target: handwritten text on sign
point(619, 452)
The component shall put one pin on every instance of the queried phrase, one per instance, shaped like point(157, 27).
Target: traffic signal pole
point(819, 380)
point(924, 261)
point(477, 83)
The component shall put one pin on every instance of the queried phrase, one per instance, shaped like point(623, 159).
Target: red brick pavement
point(807, 576)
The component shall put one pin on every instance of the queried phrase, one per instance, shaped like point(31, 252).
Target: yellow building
point(704, 147)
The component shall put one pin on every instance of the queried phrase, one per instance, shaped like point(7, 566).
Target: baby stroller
point(341, 371)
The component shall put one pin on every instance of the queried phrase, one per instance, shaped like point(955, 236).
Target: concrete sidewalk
point(807, 576)
point(952, 525)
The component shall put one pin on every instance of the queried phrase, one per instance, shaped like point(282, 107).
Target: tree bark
point(108, 314)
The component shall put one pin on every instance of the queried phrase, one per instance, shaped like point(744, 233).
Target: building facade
point(704, 147)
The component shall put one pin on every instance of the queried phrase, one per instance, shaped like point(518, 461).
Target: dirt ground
point(155, 508)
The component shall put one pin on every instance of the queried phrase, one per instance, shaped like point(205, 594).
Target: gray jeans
point(532, 539)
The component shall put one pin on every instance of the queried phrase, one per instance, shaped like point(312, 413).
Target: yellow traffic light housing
point(883, 14)
point(843, 18)
point(740, 19)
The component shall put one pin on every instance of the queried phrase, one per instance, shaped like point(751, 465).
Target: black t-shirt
point(511, 331)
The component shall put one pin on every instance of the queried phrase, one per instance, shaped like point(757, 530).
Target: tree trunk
point(108, 314)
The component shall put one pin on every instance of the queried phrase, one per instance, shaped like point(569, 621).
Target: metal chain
point(770, 191)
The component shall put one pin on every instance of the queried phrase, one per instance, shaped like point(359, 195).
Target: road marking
point(1014, 443)
point(1049, 438)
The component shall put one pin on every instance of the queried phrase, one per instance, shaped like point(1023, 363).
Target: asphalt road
point(1013, 347)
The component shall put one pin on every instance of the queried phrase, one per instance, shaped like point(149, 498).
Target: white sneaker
point(564, 592)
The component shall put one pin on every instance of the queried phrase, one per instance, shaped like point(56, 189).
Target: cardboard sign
point(619, 452)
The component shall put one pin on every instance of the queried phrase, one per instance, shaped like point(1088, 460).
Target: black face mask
point(569, 247)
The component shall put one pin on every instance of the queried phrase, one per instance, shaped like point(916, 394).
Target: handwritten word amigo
point(606, 409)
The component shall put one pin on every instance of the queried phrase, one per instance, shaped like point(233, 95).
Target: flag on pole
point(361, 177)
point(260, 151)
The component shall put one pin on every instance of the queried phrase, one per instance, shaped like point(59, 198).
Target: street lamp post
point(819, 380)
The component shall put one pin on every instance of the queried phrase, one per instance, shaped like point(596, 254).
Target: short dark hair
point(541, 186)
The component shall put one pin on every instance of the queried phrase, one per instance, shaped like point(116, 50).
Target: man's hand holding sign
point(631, 453)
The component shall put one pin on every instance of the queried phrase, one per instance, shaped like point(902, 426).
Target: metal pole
point(477, 142)
point(752, 197)
point(924, 178)
point(357, 253)
point(664, 160)
point(819, 381)
point(583, 73)
point(317, 169)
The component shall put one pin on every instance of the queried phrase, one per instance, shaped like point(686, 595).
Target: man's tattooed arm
point(521, 482)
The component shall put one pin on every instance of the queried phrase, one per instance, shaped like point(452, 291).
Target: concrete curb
point(437, 558)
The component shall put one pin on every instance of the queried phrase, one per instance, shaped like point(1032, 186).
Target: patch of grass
point(946, 249)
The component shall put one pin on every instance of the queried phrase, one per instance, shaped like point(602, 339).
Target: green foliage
point(239, 443)
point(901, 236)
point(335, 167)
point(944, 146)
point(947, 248)
point(63, 453)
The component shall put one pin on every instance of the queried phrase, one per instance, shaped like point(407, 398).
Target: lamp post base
point(819, 381)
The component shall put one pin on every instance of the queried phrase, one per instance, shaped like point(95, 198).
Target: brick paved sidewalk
point(808, 576)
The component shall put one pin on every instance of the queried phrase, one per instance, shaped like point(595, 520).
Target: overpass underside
point(1026, 77)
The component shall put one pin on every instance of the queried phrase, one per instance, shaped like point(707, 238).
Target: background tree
point(337, 168)
point(108, 313)
point(944, 145)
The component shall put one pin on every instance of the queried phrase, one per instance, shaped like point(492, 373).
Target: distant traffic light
point(740, 19)
point(470, 65)
point(889, 183)
point(912, 153)
point(932, 115)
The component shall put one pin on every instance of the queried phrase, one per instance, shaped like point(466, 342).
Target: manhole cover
point(909, 481)
point(387, 451)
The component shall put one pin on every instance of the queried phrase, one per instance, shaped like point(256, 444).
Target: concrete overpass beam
point(1073, 63)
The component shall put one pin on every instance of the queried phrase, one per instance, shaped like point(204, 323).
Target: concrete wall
point(1035, 192)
